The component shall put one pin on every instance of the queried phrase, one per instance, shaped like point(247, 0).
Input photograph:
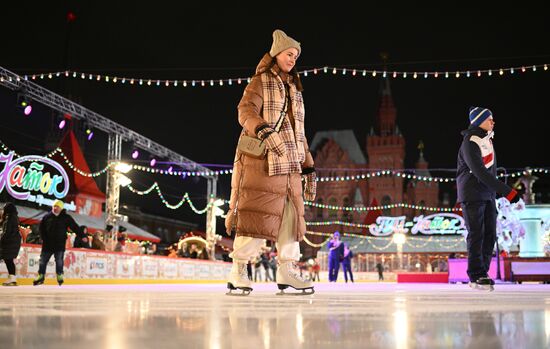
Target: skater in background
point(335, 256)
point(314, 269)
point(257, 268)
point(268, 189)
point(53, 230)
point(346, 262)
point(264, 260)
point(380, 269)
point(477, 187)
point(10, 240)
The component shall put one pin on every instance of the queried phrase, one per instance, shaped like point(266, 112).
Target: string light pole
point(213, 211)
point(115, 179)
point(399, 239)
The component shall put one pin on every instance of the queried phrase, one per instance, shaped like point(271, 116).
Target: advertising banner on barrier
point(94, 264)
point(169, 270)
point(126, 267)
point(149, 267)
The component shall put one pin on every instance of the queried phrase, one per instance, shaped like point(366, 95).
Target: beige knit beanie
point(282, 42)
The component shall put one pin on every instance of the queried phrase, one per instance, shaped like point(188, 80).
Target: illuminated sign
point(29, 178)
point(435, 224)
point(439, 223)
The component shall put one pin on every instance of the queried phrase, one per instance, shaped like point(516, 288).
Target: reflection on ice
point(337, 316)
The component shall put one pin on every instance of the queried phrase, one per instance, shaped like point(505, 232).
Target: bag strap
point(283, 112)
point(279, 123)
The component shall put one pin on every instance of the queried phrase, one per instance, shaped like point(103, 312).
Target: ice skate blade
point(245, 291)
point(305, 291)
point(9, 284)
point(487, 288)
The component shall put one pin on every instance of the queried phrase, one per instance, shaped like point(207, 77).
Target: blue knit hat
point(478, 115)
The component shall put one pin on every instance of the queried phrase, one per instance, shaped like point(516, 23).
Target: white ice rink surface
point(337, 316)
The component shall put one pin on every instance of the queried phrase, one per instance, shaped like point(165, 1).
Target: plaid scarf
point(273, 103)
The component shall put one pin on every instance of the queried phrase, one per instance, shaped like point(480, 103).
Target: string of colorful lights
point(184, 199)
point(344, 71)
point(364, 176)
point(412, 241)
point(381, 207)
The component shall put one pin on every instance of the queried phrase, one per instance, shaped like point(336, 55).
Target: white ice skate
point(288, 275)
point(238, 280)
point(483, 284)
point(11, 281)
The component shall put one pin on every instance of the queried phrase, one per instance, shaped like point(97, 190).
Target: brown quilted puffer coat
point(259, 188)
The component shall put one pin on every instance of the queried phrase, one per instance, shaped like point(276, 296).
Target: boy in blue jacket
point(477, 187)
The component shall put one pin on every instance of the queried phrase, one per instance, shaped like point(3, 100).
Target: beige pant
point(288, 249)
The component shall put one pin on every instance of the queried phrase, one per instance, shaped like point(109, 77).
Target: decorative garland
point(351, 72)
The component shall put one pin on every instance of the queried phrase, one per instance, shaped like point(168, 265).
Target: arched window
point(386, 200)
point(422, 203)
point(346, 215)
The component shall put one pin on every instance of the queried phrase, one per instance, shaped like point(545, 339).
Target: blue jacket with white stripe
point(477, 168)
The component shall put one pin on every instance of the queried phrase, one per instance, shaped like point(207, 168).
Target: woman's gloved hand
point(272, 139)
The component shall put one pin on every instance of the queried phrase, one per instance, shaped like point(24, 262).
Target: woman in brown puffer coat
point(266, 193)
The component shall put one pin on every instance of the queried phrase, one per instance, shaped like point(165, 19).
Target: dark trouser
point(333, 268)
point(267, 276)
point(257, 274)
point(347, 269)
point(314, 275)
point(380, 276)
point(274, 273)
point(10, 265)
point(481, 220)
point(45, 258)
point(249, 270)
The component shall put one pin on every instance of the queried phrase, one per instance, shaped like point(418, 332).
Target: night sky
point(181, 40)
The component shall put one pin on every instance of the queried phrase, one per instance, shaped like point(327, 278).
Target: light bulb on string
point(89, 133)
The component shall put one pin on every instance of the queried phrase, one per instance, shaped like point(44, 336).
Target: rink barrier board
point(85, 266)
point(52, 281)
point(513, 269)
point(423, 278)
point(527, 269)
point(93, 266)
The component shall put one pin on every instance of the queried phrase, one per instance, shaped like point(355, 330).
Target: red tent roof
point(372, 214)
point(79, 184)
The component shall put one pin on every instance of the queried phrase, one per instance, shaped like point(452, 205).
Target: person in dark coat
point(477, 186)
point(346, 262)
point(10, 240)
point(53, 230)
point(84, 240)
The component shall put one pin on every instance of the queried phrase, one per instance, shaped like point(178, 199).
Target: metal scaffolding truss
point(40, 94)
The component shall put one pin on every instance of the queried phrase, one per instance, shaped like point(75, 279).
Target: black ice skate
point(483, 283)
point(39, 280)
point(238, 280)
point(288, 275)
point(60, 279)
